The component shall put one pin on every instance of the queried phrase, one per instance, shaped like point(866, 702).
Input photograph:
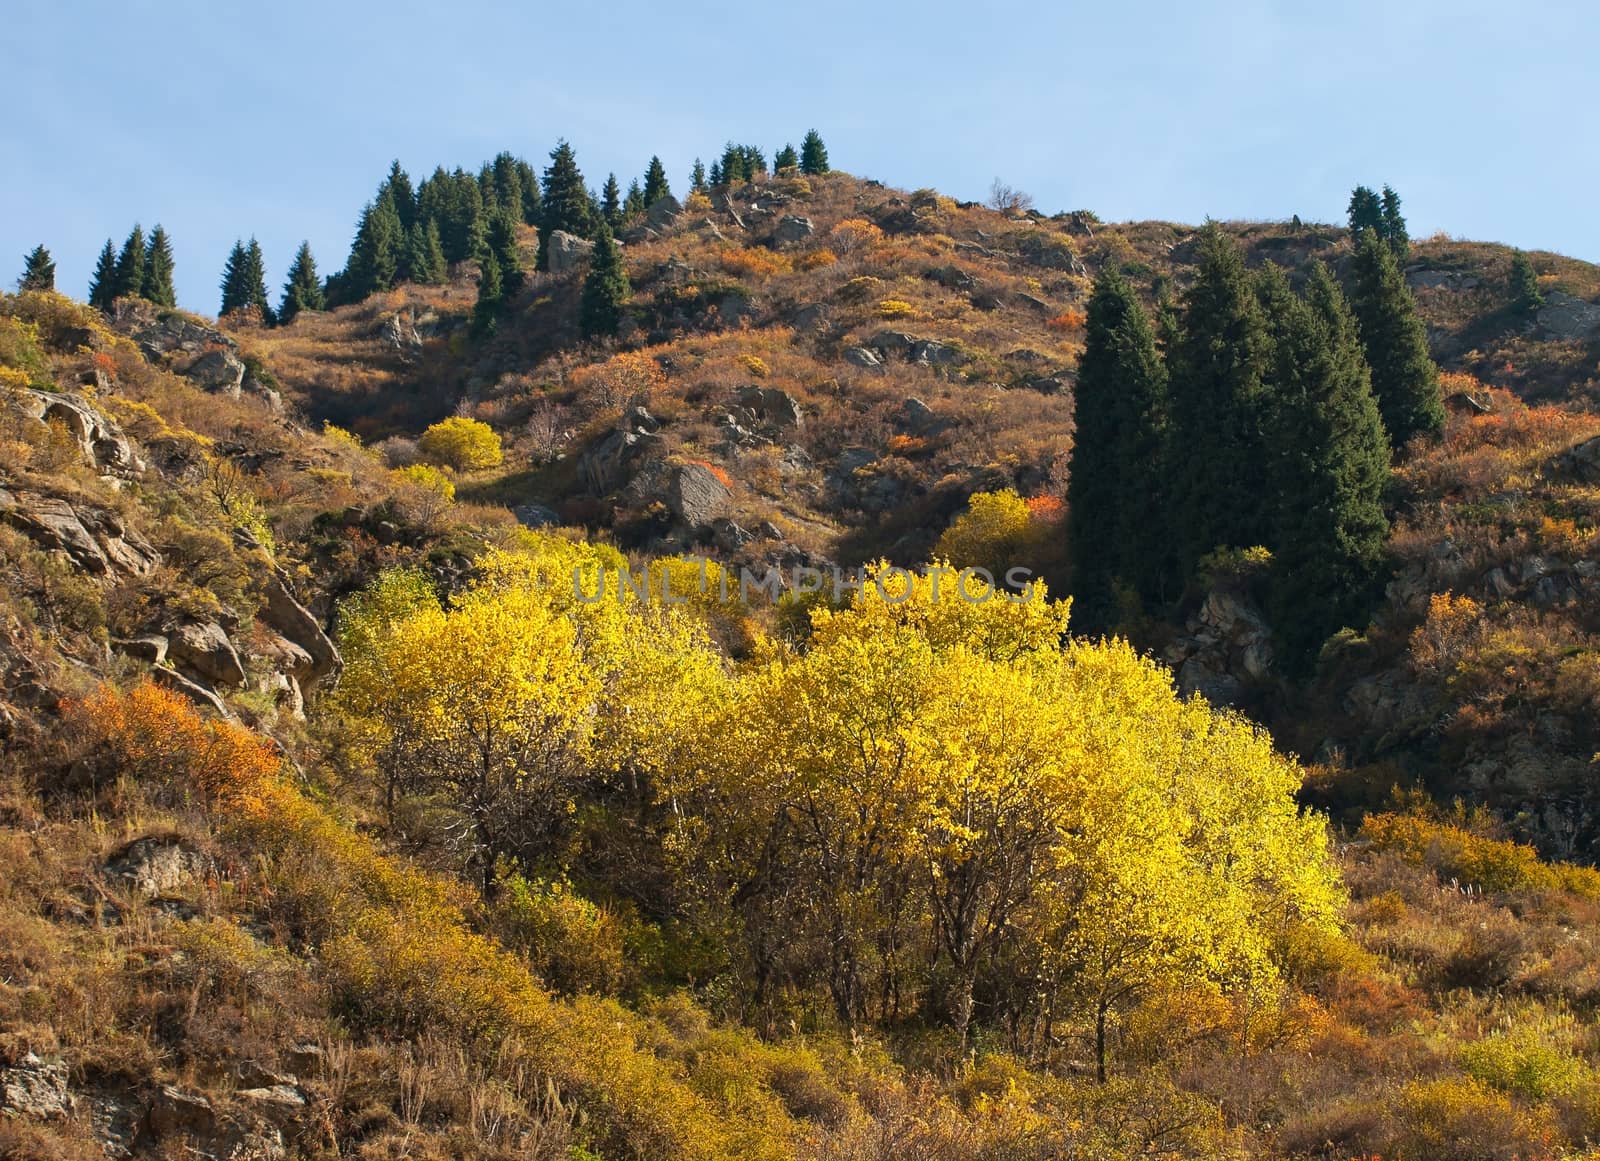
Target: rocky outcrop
point(292, 619)
point(663, 213)
point(564, 252)
point(694, 494)
point(159, 332)
point(219, 372)
point(100, 439)
point(1227, 645)
point(176, 1116)
point(35, 1089)
point(203, 648)
point(1569, 318)
point(96, 540)
point(927, 352)
point(792, 228)
point(773, 406)
point(1424, 278)
point(155, 865)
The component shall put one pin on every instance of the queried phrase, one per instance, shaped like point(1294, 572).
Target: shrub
point(572, 944)
point(752, 261)
point(756, 365)
point(463, 444)
point(1461, 1120)
point(896, 308)
point(429, 478)
point(634, 375)
point(1068, 320)
point(817, 259)
point(854, 234)
point(1523, 1063)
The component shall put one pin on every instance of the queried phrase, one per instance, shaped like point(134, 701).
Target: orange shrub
point(855, 234)
point(817, 259)
point(1046, 508)
point(620, 378)
point(753, 261)
point(907, 445)
point(1068, 320)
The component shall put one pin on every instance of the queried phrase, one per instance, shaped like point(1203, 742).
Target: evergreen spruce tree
point(1218, 436)
point(303, 290)
point(611, 201)
point(697, 177)
point(491, 297)
point(656, 185)
point(755, 162)
point(38, 270)
point(102, 287)
point(158, 267)
point(1331, 527)
point(424, 261)
point(404, 199)
point(461, 219)
point(1526, 297)
point(715, 178)
point(235, 293)
point(501, 242)
point(1366, 213)
point(566, 203)
point(785, 158)
point(1394, 225)
point(129, 281)
point(255, 281)
point(734, 165)
point(508, 185)
point(1115, 494)
point(528, 181)
point(813, 155)
point(375, 255)
point(1404, 377)
point(604, 290)
point(633, 204)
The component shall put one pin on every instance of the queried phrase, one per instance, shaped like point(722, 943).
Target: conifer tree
point(255, 281)
point(633, 204)
point(1366, 213)
point(755, 162)
point(235, 292)
point(491, 296)
point(501, 242)
point(404, 199)
point(424, 261)
point(129, 280)
point(697, 177)
point(611, 201)
point(507, 184)
point(734, 166)
point(158, 267)
point(1404, 377)
point(656, 185)
point(813, 155)
point(38, 271)
point(605, 289)
point(1330, 480)
point(303, 290)
point(785, 158)
point(715, 178)
point(1115, 494)
point(102, 287)
point(528, 182)
point(1394, 225)
point(566, 204)
point(1526, 297)
point(1218, 442)
point(375, 255)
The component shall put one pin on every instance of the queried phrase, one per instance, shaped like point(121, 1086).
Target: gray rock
point(728, 536)
point(769, 531)
point(607, 464)
point(53, 524)
point(201, 695)
point(695, 495)
point(35, 1089)
point(812, 316)
point(566, 251)
point(663, 212)
point(1220, 689)
point(399, 330)
point(204, 648)
point(863, 357)
point(292, 619)
point(892, 343)
point(175, 1113)
point(279, 1103)
point(1582, 461)
point(101, 440)
point(952, 277)
point(1566, 317)
point(160, 332)
point(736, 306)
point(917, 416)
point(219, 372)
point(791, 229)
point(1422, 278)
point(151, 648)
point(156, 865)
point(929, 353)
point(773, 406)
point(536, 516)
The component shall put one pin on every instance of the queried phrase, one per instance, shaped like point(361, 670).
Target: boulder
point(536, 516)
point(281, 1104)
point(53, 525)
point(35, 1089)
point(203, 647)
point(608, 463)
point(292, 619)
point(792, 228)
point(219, 372)
point(1422, 278)
point(1566, 317)
point(809, 317)
point(161, 332)
point(863, 357)
point(200, 695)
point(892, 343)
point(736, 306)
point(100, 439)
point(155, 865)
point(399, 330)
point(663, 212)
point(929, 353)
point(695, 495)
point(564, 251)
point(175, 1113)
point(151, 649)
point(772, 405)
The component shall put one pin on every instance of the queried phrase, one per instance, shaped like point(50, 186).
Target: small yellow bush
point(463, 444)
point(428, 477)
point(896, 308)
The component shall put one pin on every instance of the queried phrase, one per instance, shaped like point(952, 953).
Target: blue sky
point(279, 119)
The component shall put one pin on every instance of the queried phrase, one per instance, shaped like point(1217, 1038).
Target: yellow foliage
point(896, 308)
point(429, 478)
point(466, 445)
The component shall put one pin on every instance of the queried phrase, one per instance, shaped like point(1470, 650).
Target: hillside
point(337, 827)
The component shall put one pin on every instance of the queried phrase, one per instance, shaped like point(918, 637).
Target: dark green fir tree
point(611, 201)
point(605, 290)
point(158, 269)
point(785, 159)
point(303, 290)
point(38, 270)
point(1394, 225)
point(813, 155)
point(1395, 339)
point(129, 280)
point(102, 287)
point(656, 186)
point(565, 204)
point(1366, 213)
point(1526, 297)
